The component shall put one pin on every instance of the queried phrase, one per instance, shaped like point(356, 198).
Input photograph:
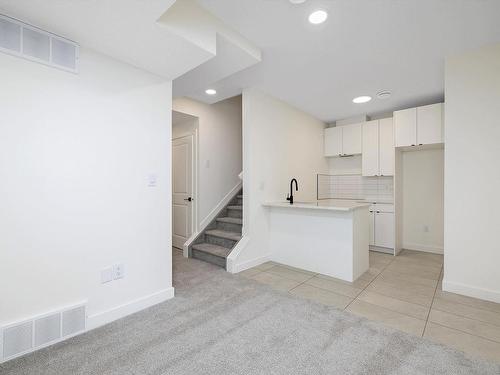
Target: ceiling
point(365, 46)
point(165, 37)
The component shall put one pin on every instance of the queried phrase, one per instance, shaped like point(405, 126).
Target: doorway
point(184, 168)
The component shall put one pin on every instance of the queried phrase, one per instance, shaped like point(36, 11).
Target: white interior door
point(182, 190)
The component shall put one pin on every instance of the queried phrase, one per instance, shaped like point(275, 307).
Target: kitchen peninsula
point(330, 237)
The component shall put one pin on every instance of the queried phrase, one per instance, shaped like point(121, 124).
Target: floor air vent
point(23, 40)
point(40, 331)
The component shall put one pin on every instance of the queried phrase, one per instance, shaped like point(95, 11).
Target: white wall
point(423, 200)
point(75, 155)
point(472, 178)
point(279, 143)
point(219, 148)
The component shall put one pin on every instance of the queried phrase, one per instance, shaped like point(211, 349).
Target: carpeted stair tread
point(231, 220)
point(235, 207)
point(234, 236)
point(212, 249)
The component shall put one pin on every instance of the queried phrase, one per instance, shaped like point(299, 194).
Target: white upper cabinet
point(405, 127)
point(369, 158)
point(419, 126)
point(333, 141)
point(430, 124)
point(378, 148)
point(386, 147)
point(351, 139)
point(343, 140)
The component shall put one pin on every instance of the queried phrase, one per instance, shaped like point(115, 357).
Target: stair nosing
point(221, 234)
point(232, 220)
point(197, 248)
point(235, 207)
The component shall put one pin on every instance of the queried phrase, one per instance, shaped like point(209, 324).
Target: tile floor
point(403, 292)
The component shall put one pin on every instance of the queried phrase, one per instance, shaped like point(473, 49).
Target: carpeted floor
point(226, 324)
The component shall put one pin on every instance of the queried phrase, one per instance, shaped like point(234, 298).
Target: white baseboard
point(249, 264)
point(108, 316)
point(471, 291)
point(424, 248)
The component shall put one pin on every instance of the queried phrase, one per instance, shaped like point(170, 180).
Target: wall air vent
point(23, 40)
point(40, 331)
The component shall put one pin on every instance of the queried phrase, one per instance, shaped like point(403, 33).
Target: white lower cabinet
point(381, 227)
point(372, 228)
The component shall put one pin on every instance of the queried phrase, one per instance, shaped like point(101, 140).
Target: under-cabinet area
point(395, 163)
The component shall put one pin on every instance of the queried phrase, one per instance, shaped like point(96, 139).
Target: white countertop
point(327, 204)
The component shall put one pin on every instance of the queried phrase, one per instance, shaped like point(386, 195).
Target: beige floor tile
point(289, 273)
point(469, 301)
point(335, 286)
point(322, 296)
point(298, 270)
point(274, 281)
point(381, 257)
point(406, 286)
point(393, 276)
point(466, 311)
point(391, 318)
point(415, 270)
point(406, 308)
point(399, 293)
point(472, 326)
point(250, 272)
point(266, 266)
point(473, 346)
point(420, 256)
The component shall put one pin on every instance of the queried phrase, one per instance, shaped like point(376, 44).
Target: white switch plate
point(152, 180)
point(118, 271)
point(106, 275)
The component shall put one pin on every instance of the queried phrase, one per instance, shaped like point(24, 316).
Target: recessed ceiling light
point(362, 99)
point(317, 17)
point(297, 1)
point(210, 92)
point(384, 94)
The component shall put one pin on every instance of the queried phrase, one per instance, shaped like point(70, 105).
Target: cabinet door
point(351, 139)
point(369, 157)
point(384, 229)
point(430, 124)
point(372, 228)
point(405, 127)
point(333, 141)
point(386, 147)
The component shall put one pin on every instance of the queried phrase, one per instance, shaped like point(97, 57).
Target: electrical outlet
point(106, 275)
point(118, 271)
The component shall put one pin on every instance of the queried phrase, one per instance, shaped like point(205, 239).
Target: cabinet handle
point(420, 144)
point(412, 145)
point(378, 212)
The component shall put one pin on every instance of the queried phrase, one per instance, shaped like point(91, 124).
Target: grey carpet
point(225, 324)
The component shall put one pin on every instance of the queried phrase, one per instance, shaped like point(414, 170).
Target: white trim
point(233, 267)
point(211, 216)
point(471, 291)
point(424, 248)
point(118, 312)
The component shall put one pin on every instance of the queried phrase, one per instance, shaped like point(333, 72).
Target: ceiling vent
point(23, 40)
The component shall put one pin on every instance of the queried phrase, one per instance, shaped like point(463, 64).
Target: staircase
point(215, 243)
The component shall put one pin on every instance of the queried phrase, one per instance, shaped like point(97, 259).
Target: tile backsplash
point(355, 187)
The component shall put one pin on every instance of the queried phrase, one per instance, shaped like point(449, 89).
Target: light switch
point(118, 271)
point(106, 275)
point(152, 180)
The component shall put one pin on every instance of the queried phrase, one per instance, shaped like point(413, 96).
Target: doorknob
point(188, 199)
